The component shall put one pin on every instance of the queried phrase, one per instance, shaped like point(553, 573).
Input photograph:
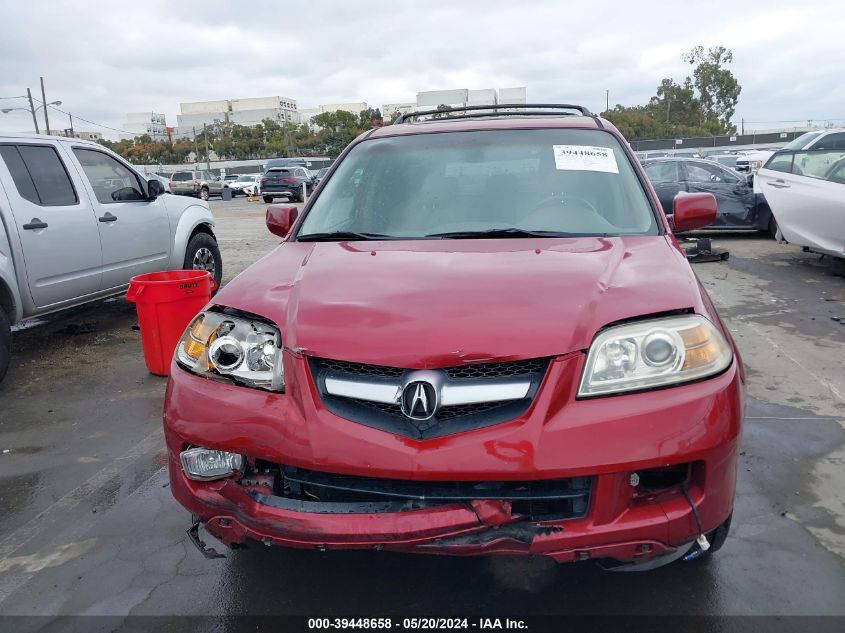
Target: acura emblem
point(419, 400)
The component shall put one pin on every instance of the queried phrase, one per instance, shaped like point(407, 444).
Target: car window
point(568, 181)
point(831, 141)
point(110, 179)
point(662, 171)
point(180, 176)
point(702, 172)
point(801, 141)
point(816, 163)
point(780, 162)
point(39, 174)
point(837, 172)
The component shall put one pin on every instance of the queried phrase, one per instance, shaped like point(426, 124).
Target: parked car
point(77, 221)
point(806, 189)
point(200, 184)
point(245, 184)
point(320, 174)
point(442, 358)
point(286, 182)
point(286, 162)
point(739, 206)
point(833, 139)
point(231, 177)
point(726, 160)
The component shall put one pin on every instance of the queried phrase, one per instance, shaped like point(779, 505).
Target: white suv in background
point(832, 139)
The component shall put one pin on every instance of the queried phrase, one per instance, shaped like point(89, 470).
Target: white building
point(431, 99)
point(150, 123)
point(391, 110)
point(248, 111)
point(85, 136)
point(353, 107)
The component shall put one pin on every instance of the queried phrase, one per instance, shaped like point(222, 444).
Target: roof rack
point(472, 111)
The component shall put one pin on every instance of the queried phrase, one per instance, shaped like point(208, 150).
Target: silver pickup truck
point(77, 222)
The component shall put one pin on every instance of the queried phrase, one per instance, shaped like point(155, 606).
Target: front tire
point(204, 194)
point(204, 254)
point(268, 199)
point(5, 343)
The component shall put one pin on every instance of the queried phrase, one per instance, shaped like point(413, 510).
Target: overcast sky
point(104, 59)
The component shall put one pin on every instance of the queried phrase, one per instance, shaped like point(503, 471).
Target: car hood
point(433, 303)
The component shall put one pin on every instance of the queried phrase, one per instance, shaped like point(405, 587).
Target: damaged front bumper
point(611, 478)
point(651, 526)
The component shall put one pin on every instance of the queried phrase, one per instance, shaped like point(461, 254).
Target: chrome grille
point(383, 413)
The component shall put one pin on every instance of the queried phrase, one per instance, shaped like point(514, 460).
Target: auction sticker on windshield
point(585, 158)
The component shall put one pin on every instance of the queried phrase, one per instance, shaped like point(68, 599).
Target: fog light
point(203, 464)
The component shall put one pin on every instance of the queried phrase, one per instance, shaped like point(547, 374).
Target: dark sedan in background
point(739, 207)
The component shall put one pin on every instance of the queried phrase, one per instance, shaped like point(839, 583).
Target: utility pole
point(196, 147)
point(743, 127)
point(44, 101)
point(668, 108)
point(32, 109)
point(205, 135)
point(70, 116)
point(607, 100)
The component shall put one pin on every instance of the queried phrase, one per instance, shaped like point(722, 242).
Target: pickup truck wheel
point(268, 199)
point(204, 193)
point(5, 343)
point(204, 254)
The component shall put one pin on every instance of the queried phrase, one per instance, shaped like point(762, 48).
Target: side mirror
point(749, 179)
point(280, 219)
point(693, 211)
point(155, 189)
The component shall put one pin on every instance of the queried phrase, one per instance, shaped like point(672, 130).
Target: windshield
point(244, 178)
point(555, 181)
point(801, 141)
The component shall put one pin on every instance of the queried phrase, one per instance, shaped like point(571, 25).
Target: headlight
point(242, 350)
point(653, 354)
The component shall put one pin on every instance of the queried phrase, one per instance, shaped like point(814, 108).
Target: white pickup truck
point(77, 222)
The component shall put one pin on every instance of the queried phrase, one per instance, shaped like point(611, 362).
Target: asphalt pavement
point(88, 525)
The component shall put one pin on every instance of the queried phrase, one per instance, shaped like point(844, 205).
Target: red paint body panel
point(438, 303)
point(421, 300)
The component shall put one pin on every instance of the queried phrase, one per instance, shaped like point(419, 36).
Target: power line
point(76, 116)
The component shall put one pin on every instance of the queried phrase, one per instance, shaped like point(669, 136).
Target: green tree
point(718, 89)
point(702, 105)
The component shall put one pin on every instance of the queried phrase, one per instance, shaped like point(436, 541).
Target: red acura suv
point(479, 337)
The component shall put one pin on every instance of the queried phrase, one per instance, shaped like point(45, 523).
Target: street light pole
point(32, 109)
point(44, 101)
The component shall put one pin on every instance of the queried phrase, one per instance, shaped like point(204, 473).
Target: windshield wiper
point(497, 233)
point(339, 236)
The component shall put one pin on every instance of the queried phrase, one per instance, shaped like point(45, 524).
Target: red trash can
point(166, 302)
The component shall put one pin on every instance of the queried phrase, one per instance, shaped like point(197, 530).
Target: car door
point(734, 195)
point(215, 185)
point(134, 230)
point(666, 179)
point(55, 221)
point(809, 206)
